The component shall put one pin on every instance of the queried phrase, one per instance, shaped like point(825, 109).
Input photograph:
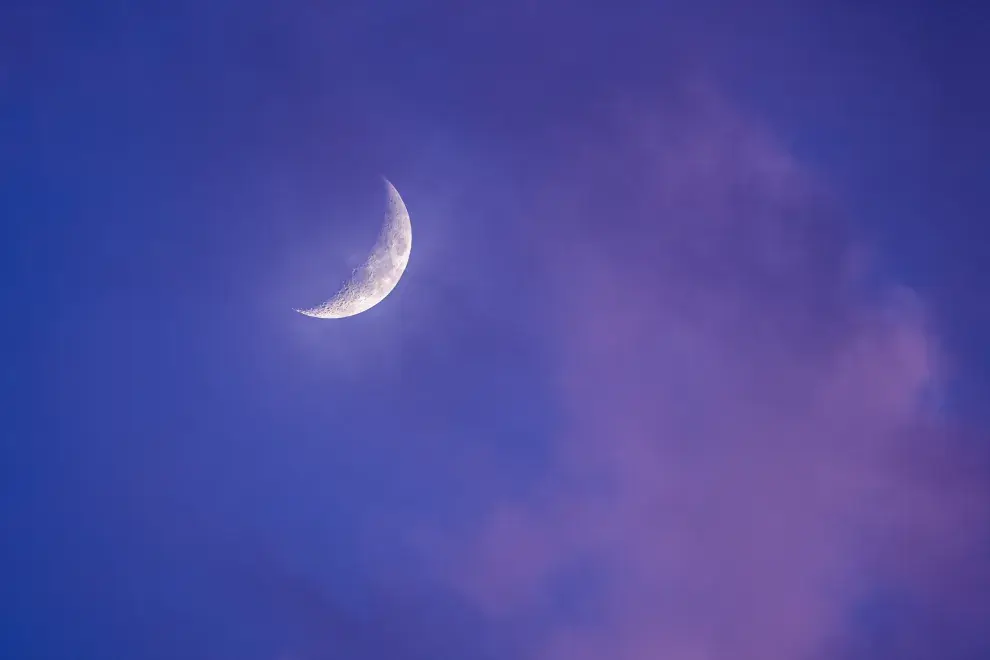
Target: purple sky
point(689, 362)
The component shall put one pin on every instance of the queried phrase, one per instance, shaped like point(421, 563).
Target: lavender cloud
point(745, 446)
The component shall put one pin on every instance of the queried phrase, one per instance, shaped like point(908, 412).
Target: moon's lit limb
point(371, 282)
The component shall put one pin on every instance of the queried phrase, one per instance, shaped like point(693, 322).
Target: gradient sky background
point(690, 361)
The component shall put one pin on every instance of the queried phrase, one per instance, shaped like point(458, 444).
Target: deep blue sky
point(189, 469)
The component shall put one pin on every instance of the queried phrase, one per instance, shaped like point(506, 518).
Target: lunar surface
point(371, 282)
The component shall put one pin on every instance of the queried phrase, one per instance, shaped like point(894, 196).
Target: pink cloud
point(745, 442)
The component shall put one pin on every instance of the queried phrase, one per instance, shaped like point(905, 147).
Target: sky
point(690, 361)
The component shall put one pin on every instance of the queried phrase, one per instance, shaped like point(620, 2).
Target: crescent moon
point(373, 280)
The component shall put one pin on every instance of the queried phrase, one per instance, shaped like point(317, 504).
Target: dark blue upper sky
point(189, 469)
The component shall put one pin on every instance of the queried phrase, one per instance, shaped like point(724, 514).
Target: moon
point(372, 281)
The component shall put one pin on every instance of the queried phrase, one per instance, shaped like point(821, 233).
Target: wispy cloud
point(746, 448)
